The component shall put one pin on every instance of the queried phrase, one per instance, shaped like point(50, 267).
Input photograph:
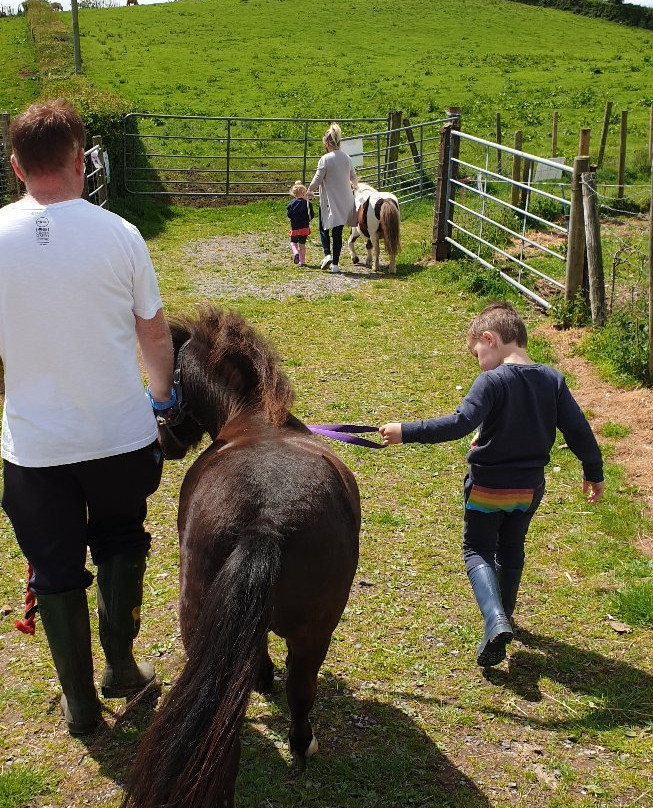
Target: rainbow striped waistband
point(490, 500)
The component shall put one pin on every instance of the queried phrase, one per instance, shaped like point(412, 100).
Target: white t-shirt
point(72, 277)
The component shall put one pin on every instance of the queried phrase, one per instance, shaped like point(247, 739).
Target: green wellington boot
point(509, 579)
point(498, 631)
point(67, 627)
point(120, 595)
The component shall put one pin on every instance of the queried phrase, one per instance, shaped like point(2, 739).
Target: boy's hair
point(298, 189)
point(45, 136)
point(504, 320)
point(332, 136)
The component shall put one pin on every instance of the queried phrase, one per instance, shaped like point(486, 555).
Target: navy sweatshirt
point(518, 408)
point(300, 213)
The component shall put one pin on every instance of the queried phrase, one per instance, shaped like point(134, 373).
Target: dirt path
point(630, 408)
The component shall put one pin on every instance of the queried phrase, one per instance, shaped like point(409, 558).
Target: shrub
point(622, 344)
point(572, 313)
point(101, 111)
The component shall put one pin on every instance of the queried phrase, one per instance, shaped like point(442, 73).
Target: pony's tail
point(389, 220)
point(185, 753)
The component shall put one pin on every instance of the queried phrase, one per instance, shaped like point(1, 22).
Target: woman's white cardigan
point(334, 176)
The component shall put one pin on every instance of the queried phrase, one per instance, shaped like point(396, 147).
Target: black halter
point(171, 418)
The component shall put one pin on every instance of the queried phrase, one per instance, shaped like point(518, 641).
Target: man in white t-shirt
point(78, 292)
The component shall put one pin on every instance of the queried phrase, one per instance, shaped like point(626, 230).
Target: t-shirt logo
point(43, 230)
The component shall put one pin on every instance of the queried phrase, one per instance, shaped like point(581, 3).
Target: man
point(80, 457)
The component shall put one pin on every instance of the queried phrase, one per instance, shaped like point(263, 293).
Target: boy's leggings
point(498, 535)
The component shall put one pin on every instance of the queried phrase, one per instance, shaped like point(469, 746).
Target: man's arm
point(156, 348)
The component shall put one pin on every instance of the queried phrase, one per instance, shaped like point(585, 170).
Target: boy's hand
point(391, 433)
point(474, 441)
point(595, 489)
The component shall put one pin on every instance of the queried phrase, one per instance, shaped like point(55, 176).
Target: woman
point(335, 176)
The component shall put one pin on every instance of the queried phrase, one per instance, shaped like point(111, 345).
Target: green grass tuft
point(20, 785)
point(634, 603)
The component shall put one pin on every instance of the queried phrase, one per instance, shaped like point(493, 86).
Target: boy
point(300, 213)
point(517, 405)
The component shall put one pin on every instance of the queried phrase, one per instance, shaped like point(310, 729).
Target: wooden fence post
point(604, 133)
point(584, 142)
point(622, 153)
point(498, 139)
point(102, 187)
point(576, 236)
point(439, 243)
point(392, 155)
point(454, 114)
point(13, 185)
point(594, 251)
point(516, 170)
point(650, 137)
point(417, 158)
point(554, 135)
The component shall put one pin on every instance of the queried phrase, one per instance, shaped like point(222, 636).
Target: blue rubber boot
point(498, 631)
point(509, 579)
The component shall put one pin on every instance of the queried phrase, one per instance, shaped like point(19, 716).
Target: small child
point(517, 404)
point(300, 213)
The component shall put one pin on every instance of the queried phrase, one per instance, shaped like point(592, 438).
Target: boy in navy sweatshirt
point(516, 404)
point(300, 213)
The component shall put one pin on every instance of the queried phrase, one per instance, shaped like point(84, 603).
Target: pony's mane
point(225, 335)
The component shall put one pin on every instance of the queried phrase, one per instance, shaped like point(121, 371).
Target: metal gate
point(186, 155)
point(506, 209)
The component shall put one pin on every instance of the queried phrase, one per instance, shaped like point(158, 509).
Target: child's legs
point(336, 233)
point(295, 246)
point(480, 537)
point(324, 237)
point(301, 247)
point(512, 534)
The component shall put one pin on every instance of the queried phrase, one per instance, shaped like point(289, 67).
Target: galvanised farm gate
point(197, 156)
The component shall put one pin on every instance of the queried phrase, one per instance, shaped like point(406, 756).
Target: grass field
point(404, 717)
point(18, 85)
point(273, 58)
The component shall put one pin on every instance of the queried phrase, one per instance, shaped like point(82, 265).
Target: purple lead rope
point(347, 433)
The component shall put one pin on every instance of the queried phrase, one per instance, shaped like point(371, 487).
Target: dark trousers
point(336, 233)
point(59, 511)
point(499, 536)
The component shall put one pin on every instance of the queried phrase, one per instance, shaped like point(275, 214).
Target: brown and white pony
point(377, 214)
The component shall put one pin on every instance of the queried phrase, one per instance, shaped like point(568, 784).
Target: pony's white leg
point(376, 244)
point(368, 257)
point(355, 233)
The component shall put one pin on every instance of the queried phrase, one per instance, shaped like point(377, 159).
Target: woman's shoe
point(326, 261)
point(334, 269)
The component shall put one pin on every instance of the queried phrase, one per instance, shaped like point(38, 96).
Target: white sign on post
point(353, 146)
point(544, 172)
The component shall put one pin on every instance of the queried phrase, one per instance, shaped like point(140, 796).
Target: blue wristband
point(157, 406)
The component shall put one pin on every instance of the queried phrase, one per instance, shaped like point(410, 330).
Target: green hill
point(356, 59)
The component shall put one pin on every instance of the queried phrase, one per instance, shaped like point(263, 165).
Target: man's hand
point(391, 433)
point(595, 489)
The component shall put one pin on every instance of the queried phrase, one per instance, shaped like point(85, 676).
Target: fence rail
point(187, 155)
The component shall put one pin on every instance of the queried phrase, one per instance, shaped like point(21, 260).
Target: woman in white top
point(335, 176)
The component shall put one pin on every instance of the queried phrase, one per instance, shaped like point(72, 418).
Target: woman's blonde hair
point(298, 189)
point(332, 136)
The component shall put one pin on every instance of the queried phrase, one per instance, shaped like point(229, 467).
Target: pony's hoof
point(355, 259)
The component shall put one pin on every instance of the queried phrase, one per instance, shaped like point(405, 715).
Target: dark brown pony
point(268, 523)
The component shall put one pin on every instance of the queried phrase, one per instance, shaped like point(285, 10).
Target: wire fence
point(182, 156)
